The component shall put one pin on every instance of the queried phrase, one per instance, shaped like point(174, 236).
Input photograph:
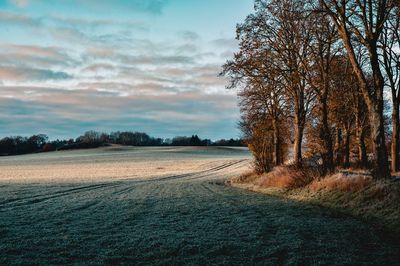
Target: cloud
point(149, 6)
point(63, 75)
point(231, 43)
point(187, 49)
point(152, 6)
point(16, 19)
point(157, 59)
point(12, 73)
point(77, 30)
point(35, 56)
point(189, 35)
point(98, 24)
point(61, 112)
point(155, 7)
point(21, 3)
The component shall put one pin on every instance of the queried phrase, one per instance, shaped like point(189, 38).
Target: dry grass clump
point(287, 177)
point(384, 203)
point(246, 177)
point(386, 196)
point(341, 182)
point(381, 190)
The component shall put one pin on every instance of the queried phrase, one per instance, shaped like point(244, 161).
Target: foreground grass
point(374, 201)
point(182, 216)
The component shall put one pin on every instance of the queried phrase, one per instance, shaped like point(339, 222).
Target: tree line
point(93, 139)
point(320, 79)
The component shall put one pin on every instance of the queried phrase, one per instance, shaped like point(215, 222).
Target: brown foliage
point(313, 73)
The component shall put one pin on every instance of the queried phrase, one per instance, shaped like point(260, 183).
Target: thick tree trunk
point(381, 165)
point(362, 149)
point(277, 142)
point(299, 121)
point(326, 137)
point(347, 148)
point(338, 147)
point(395, 135)
point(298, 139)
point(380, 160)
point(374, 100)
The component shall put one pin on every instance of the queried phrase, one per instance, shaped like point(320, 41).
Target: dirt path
point(181, 218)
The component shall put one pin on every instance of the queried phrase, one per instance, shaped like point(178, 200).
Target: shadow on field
point(178, 219)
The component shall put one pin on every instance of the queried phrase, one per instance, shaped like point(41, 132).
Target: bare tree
point(283, 27)
point(390, 58)
point(323, 65)
point(324, 50)
point(261, 94)
point(361, 124)
point(363, 22)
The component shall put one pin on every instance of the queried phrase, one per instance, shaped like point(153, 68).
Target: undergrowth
point(375, 201)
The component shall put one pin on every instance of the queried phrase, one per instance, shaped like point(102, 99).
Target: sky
point(69, 66)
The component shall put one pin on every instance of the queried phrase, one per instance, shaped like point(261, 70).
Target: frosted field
point(120, 205)
point(117, 163)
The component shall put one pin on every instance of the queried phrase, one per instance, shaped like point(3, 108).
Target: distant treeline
point(93, 139)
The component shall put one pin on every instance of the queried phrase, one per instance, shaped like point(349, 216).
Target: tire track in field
point(17, 202)
point(131, 184)
point(128, 186)
point(22, 201)
point(217, 170)
point(202, 173)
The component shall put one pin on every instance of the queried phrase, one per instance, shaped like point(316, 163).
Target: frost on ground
point(112, 163)
point(121, 205)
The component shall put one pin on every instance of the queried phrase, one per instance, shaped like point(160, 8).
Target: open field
point(116, 163)
point(120, 205)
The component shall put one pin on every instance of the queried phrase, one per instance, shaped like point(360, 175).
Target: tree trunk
point(299, 130)
point(362, 150)
point(381, 165)
point(374, 102)
point(326, 137)
point(277, 142)
point(395, 135)
point(299, 120)
point(338, 146)
point(380, 160)
point(347, 148)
